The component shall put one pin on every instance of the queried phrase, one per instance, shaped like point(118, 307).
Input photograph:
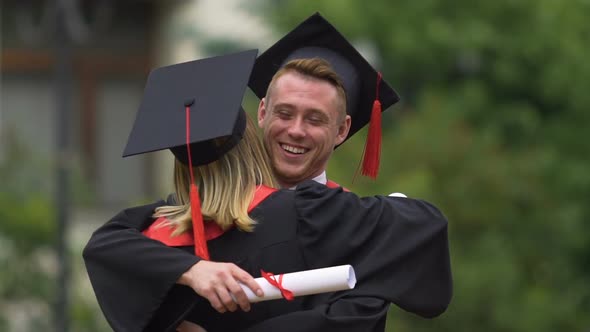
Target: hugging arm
point(397, 246)
point(131, 274)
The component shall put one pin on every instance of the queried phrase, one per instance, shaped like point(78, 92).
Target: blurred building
point(109, 66)
point(114, 45)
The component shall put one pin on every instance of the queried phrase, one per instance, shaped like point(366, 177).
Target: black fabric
point(397, 246)
point(130, 273)
point(347, 314)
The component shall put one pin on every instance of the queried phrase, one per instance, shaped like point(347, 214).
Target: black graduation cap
point(185, 108)
point(212, 88)
point(316, 37)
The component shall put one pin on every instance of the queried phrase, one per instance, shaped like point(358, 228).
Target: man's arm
point(398, 246)
point(347, 314)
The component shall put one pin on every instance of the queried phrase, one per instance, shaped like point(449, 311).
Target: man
point(359, 97)
point(322, 94)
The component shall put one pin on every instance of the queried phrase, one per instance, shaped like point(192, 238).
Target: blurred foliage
point(28, 266)
point(25, 209)
point(26, 231)
point(492, 129)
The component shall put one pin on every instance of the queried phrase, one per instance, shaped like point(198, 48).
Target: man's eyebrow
point(317, 112)
point(283, 105)
point(307, 112)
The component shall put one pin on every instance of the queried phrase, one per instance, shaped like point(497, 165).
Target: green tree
point(491, 128)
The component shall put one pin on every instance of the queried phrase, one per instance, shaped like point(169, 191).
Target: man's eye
point(283, 114)
point(316, 119)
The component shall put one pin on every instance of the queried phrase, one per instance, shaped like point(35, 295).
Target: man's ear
point(343, 130)
point(261, 112)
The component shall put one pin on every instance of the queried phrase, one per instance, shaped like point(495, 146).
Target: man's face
point(302, 125)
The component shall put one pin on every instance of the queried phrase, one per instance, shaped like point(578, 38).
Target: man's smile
point(294, 149)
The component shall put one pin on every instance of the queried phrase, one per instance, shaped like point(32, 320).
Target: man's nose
point(297, 129)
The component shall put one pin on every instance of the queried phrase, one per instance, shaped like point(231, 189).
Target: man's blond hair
point(226, 186)
point(314, 68)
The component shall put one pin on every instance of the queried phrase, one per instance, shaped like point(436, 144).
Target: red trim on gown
point(332, 184)
point(212, 230)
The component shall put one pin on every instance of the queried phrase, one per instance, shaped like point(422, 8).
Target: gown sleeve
point(346, 314)
point(397, 246)
point(131, 274)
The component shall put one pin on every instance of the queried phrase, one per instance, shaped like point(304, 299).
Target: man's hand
point(218, 282)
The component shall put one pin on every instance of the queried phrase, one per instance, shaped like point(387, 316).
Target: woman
point(398, 257)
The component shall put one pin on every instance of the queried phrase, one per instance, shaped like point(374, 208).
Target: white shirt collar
point(322, 178)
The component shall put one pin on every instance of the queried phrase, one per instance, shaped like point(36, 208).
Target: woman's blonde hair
point(226, 186)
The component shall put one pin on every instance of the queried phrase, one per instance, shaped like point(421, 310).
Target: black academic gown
point(397, 246)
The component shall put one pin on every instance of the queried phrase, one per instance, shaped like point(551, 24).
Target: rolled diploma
point(329, 279)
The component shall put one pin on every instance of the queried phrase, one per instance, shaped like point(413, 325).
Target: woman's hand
point(218, 282)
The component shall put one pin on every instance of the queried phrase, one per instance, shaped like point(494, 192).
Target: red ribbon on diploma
point(271, 278)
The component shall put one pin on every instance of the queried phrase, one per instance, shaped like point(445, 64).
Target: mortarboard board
point(213, 89)
point(316, 37)
point(186, 107)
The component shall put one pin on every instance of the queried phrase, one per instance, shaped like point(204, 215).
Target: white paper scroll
point(329, 279)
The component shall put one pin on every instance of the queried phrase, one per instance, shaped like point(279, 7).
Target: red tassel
point(372, 155)
point(198, 226)
point(196, 216)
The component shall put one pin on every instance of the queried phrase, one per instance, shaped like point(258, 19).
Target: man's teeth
point(293, 149)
